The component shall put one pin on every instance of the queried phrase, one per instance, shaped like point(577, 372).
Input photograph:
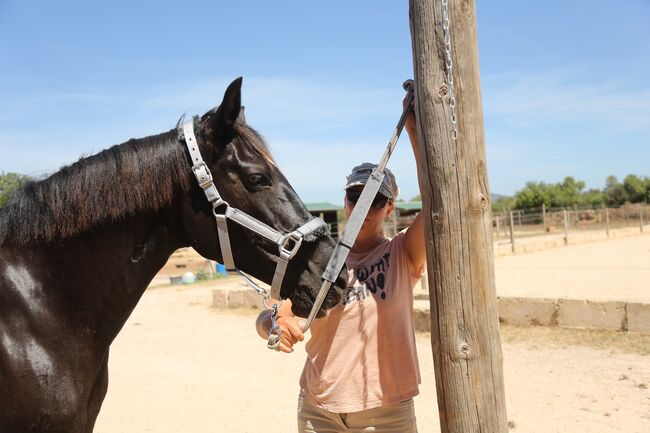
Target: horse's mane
point(138, 175)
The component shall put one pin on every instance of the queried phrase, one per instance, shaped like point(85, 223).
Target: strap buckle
point(202, 174)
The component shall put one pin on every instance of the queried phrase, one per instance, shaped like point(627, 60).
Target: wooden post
point(544, 216)
point(497, 222)
point(519, 217)
point(505, 224)
point(575, 213)
point(566, 228)
point(606, 219)
point(460, 258)
point(512, 232)
point(641, 209)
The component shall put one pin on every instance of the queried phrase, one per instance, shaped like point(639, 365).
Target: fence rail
point(510, 226)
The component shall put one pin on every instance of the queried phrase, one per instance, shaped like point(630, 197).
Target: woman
point(362, 368)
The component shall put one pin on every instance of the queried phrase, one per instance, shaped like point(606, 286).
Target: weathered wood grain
point(456, 204)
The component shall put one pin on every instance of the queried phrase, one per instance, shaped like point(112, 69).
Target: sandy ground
point(613, 270)
point(181, 366)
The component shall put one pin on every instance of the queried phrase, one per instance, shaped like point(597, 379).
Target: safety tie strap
point(344, 245)
point(224, 242)
point(353, 226)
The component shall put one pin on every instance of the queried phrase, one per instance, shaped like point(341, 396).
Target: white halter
point(288, 243)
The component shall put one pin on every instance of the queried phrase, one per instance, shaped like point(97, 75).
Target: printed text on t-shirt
point(372, 279)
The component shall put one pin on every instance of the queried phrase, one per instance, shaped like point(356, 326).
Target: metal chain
point(450, 67)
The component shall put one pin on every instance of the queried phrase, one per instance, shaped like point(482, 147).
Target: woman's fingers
point(286, 348)
point(295, 330)
point(290, 326)
point(291, 333)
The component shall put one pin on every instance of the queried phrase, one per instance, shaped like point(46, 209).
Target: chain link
point(450, 67)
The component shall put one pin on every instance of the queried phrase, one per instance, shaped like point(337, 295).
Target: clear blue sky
point(565, 84)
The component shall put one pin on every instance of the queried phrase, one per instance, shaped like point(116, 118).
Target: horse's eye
point(258, 179)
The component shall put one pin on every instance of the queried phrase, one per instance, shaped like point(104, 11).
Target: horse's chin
point(302, 301)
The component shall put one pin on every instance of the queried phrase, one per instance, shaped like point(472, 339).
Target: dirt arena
point(181, 366)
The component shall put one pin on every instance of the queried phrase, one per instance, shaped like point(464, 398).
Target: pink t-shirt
point(363, 354)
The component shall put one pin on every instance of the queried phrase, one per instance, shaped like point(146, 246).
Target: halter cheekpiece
point(288, 243)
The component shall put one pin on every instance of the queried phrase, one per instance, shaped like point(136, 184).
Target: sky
point(564, 84)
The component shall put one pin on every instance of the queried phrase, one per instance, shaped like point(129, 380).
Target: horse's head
point(248, 179)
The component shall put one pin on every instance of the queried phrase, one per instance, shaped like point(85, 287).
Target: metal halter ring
point(285, 241)
point(217, 204)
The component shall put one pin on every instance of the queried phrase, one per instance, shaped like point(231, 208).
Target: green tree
point(502, 204)
point(534, 194)
point(562, 194)
point(635, 188)
point(615, 194)
point(592, 198)
point(9, 183)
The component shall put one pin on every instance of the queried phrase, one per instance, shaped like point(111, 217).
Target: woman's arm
point(414, 236)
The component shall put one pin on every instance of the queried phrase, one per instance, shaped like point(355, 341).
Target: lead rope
point(362, 207)
point(359, 213)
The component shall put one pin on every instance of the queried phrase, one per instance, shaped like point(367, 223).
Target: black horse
point(78, 249)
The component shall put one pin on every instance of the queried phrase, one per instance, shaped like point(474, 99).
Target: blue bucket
point(221, 269)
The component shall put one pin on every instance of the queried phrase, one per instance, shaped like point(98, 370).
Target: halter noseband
point(288, 243)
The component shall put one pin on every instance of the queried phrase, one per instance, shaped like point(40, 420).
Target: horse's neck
point(105, 272)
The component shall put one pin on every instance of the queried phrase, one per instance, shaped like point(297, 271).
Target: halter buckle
point(202, 174)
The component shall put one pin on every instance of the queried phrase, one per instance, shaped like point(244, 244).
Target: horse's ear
point(223, 120)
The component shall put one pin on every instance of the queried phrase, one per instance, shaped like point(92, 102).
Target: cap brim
point(356, 183)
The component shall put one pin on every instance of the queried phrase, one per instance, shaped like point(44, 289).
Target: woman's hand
point(288, 323)
point(291, 332)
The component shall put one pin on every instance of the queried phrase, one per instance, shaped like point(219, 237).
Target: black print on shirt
point(372, 279)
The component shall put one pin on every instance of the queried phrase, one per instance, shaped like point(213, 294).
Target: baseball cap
point(361, 173)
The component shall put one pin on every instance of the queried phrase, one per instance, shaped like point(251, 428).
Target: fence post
point(575, 210)
point(544, 216)
point(625, 215)
point(641, 209)
point(606, 219)
point(566, 228)
point(512, 231)
point(505, 224)
point(497, 217)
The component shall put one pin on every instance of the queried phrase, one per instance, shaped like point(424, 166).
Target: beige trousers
point(398, 418)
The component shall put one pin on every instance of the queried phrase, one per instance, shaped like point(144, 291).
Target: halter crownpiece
point(288, 243)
